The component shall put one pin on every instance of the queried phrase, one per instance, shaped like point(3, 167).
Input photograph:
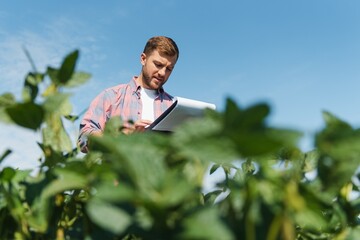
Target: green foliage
point(150, 185)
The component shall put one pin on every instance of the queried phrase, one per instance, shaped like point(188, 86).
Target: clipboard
point(181, 110)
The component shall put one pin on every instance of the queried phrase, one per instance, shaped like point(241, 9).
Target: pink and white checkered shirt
point(123, 100)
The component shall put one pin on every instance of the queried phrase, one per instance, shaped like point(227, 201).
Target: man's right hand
point(138, 126)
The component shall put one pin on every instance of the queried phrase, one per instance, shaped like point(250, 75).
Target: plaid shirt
point(123, 100)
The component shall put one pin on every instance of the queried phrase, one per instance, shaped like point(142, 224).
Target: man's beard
point(147, 81)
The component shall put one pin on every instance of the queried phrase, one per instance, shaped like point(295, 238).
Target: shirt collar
point(136, 87)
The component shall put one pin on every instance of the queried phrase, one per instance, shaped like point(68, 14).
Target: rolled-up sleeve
point(95, 118)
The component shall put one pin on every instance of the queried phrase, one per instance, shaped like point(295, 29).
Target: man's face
point(156, 69)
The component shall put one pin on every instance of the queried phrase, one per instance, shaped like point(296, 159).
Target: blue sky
point(301, 57)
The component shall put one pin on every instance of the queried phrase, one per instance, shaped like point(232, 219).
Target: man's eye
point(169, 69)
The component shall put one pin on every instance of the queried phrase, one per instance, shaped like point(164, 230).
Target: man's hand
point(138, 126)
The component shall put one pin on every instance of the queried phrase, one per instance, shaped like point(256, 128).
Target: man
point(139, 102)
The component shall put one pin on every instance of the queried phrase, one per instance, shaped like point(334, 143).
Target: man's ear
point(143, 59)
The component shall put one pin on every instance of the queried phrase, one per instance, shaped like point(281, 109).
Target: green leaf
point(72, 118)
point(107, 191)
point(214, 167)
point(31, 87)
point(67, 180)
point(38, 219)
point(140, 163)
point(208, 219)
point(247, 129)
point(7, 174)
point(250, 144)
point(175, 190)
point(252, 118)
point(7, 99)
point(354, 233)
point(211, 197)
point(59, 103)
point(53, 75)
point(108, 216)
point(34, 186)
point(339, 153)
point(310, 219)
point(248, 167)
point(333, 121)
point(55, 135)
point(310, 161)
point(67, 68)
point(77, 79)
point(28, 115)
point(21, 175)
point(201, 139)
point(5, 154)
point(52, 157)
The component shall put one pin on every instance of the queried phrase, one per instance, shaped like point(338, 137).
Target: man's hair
point(164, 45)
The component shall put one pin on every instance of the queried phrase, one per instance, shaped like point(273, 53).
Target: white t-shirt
point(147, 97)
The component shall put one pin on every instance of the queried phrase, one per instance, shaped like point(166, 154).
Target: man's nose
point(162, 71)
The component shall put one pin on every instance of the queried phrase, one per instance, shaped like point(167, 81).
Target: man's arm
point(94, 120)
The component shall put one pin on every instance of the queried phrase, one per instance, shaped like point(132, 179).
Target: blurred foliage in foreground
point(149, 186)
